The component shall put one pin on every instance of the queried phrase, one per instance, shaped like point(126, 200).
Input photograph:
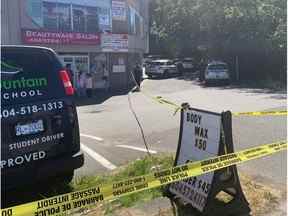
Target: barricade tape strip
point(177, 108)
point(63, 204)
point(263, 113)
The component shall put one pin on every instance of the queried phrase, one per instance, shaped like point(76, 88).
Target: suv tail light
point(69, 90)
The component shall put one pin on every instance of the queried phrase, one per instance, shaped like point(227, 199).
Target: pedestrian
point(138, 76)
point(202, 69)
point(105, 78)
point(89, 85)
point(82, 84)
point(70, 73)
point(180, 67)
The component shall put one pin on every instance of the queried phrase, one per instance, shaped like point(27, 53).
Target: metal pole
point(237, 69)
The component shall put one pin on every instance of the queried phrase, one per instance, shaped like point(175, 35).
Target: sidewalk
point(158, 207)
point(163, 207)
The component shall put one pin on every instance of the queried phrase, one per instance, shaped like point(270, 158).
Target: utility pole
point(237, 69)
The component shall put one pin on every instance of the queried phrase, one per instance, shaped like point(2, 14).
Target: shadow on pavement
point(245, 86)
point(162, 78)
point(279, 94)
point(98, 97)
point(179, 209)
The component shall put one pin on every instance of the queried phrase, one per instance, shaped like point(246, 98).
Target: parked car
point(39, 123)
point(188, 65)
point(162, 68)
point(148, 59)
point(216, 72)
point(179, 65)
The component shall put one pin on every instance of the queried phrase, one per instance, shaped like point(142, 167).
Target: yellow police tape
point(161, 100)
point(64, 204)
point(263, 113)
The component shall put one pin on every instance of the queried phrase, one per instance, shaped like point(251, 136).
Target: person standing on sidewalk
point(89, 85)
point(82, 84)
point(138, 76)
point(105, 78)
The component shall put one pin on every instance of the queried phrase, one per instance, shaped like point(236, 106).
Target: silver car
point(162, 68)
point(217, 72)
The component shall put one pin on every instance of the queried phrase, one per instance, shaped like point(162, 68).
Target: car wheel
point(206, 83)
point(166, 74)
point(65, 178)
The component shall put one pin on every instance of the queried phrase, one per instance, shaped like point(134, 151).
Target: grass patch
point(133, 169)
point(262, 198)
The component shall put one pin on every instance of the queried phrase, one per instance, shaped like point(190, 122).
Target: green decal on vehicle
point(23, 83)
point(8, 68)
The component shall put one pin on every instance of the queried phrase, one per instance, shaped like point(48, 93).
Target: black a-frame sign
point(205, 134)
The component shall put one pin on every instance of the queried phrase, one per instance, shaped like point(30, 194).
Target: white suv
point(216, 72)
point(162, 68)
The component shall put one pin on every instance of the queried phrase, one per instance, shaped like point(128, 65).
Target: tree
point(255, 31)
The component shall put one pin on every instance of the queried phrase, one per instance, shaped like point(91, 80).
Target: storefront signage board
point(114, 42)
point(48, 37)
point(119, 10)
point(200, 140)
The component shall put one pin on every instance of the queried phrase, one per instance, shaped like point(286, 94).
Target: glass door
point(78, 63)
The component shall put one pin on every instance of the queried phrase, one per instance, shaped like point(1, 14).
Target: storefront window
point(142, 27)
point(85, 19)
point(64, 17)
point(92, 20)
point(132, 27)
point(104, 19)
point(79, 19)
point(35, 11)
point(50, 16)
point(137, 24)
point(56, 16)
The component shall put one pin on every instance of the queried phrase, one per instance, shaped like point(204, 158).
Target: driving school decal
point(21, 159)
point(199, 140)
point(30, 109)
point(35, 141)
point(22, 88)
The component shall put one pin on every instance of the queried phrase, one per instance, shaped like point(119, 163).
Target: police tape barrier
point(63, 204)
point(161, 100)
point(264, 113)
point(177, 108)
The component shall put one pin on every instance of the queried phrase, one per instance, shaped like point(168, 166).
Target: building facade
point(105, 38)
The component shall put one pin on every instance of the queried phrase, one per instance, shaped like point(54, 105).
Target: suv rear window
point(187, 61)
point(218, 67)
point(29, 74)
point(157, 63)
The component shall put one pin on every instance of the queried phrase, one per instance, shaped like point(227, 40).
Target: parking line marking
point(103, 161)
point(92, 137)
point(137, 148)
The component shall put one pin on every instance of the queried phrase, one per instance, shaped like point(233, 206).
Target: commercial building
point(93, 36)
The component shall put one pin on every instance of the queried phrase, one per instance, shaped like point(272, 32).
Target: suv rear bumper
point(220, 81)
point(61, 165)
point(154, 73)
point(41, 171)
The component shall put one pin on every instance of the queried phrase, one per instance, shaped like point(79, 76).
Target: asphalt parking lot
point(110, 136)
